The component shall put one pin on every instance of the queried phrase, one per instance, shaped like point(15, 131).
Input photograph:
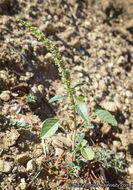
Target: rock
point(30, 165)
point(16, 108)
point(117, 100)
point(10, 138)
point(23, 184)
point(41, 88)
point(116, 145)
point(130, 169)
point(102, 85)
point(17, 188)
point(75, 43)
point(5, 109)
point(58, 151)
point(49, 59)
point(34, 89)
point(39, 151)
point(129, 94)
point(49, 28)
point(5, 96)
point(127, 101)
point(27, 77)
point(110, 106)
point(105, 129)
point(23, 158)
point(77, 58)
point(95, 85)
point(80, 75)
point(5, 167)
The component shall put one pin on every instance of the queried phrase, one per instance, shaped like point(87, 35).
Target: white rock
point(117, 144)
point(30, 165)
point(110, 106)
point(5, 166)
point(117, 100)
point(127, 101)
point(48, 56)
point(23, 184)
point(77, 58)
point(102, 85)
point(105, 129)
point(16, 108)
point(5, 95)
point(34, 89)
point(120, 88)
point(130, 169)
point(41, 88)
point(129, 94)
point(95, 85)
point(80, 75)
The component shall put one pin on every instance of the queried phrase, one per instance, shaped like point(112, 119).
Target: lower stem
point(75, 129)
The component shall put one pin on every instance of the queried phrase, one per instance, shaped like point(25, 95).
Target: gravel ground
point(95, 39)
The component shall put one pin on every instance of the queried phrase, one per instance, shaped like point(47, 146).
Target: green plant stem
point(75, 128)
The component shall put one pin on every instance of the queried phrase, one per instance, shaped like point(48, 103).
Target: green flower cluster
point(62, 67)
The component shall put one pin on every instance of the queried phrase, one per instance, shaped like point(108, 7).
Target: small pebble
point(95, 85)
point(16, 108)
point(130, 169)
point(23, 184)
point(127, 101)
point(105, 129)
point(5, 96)
point(30, 165)
point(117, 145)
point(41, 88)
point(110, 106)
point(129, 94)
point(5, 167)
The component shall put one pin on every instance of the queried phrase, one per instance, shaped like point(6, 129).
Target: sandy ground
point(95, 39)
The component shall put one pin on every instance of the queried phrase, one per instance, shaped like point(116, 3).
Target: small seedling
point(19, 124)
point(81, 151)
point(30, 99)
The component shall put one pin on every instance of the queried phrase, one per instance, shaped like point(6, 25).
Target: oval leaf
point(49, 127)
point(105, 116)
point(88, 153)
point(57, 97)
point(82, 110)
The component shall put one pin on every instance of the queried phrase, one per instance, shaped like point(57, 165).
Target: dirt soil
point(95, 39)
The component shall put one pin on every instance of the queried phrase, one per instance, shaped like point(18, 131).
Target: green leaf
point(80, 98)
point(12, 122)
point(84, 142)
point(80, 84)
point(88, 153)
point(57, 97)
point(49, 127)
point(82, 110)
point(105, 116)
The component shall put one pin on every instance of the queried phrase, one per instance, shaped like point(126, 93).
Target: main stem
point(74, 130)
